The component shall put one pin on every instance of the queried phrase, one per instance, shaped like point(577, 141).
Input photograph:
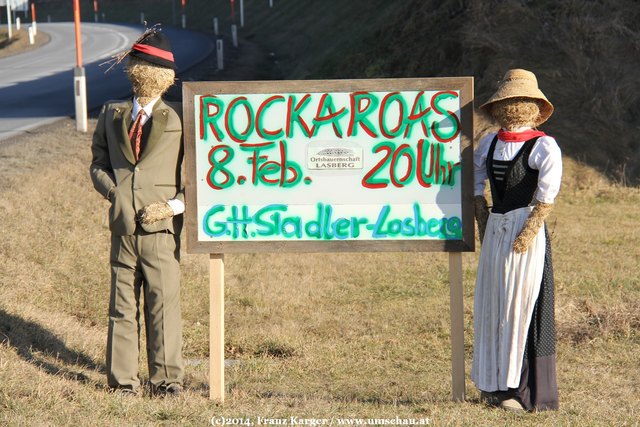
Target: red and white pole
point(184, 14)
point(95, 10)
point(79, 78)
point(76, 20)
point(33, 30)
point(33, 19)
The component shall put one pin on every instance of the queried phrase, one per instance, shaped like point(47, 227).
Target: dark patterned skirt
point(538, 389)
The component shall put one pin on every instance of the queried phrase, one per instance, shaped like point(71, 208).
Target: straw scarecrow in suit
point(137, 160)
point(514, 362)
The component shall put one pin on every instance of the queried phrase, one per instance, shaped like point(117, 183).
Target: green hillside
point(586, 54)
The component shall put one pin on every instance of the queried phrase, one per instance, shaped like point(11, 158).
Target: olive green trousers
point(145, 265)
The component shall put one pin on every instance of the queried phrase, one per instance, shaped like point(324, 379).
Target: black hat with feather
point(152, 46)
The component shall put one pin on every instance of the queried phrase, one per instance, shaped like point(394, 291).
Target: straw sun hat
point(520, 83)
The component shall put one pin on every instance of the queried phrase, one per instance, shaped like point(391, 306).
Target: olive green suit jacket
point(155, 177)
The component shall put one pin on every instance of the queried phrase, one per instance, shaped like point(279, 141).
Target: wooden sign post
point(329, 166)
point(216, 327)
point(456, 308)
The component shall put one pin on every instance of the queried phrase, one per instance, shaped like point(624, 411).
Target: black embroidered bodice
point(514, 182)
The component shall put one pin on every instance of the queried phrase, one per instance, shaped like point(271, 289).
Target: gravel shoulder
point(19, 42)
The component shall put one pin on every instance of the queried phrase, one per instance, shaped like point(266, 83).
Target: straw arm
point(531, 226)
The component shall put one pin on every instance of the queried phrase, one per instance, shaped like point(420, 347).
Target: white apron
point(507, 287)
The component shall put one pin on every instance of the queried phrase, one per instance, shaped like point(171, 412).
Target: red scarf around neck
point(525, 135)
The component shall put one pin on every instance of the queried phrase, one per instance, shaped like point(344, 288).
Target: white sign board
point(373, 161)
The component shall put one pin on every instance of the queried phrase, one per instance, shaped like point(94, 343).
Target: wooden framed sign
point(328, 166)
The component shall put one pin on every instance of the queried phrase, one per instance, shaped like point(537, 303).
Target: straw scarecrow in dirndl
point(514, 363)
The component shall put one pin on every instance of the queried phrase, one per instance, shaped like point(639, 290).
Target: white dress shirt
point(148, 110)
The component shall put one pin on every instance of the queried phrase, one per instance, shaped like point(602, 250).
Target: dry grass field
point(353, 336)
point(324, 336)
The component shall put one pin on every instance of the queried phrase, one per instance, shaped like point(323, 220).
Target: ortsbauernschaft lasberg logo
point(323, 158)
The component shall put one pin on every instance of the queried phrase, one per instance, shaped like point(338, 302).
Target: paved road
point(37, 87)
